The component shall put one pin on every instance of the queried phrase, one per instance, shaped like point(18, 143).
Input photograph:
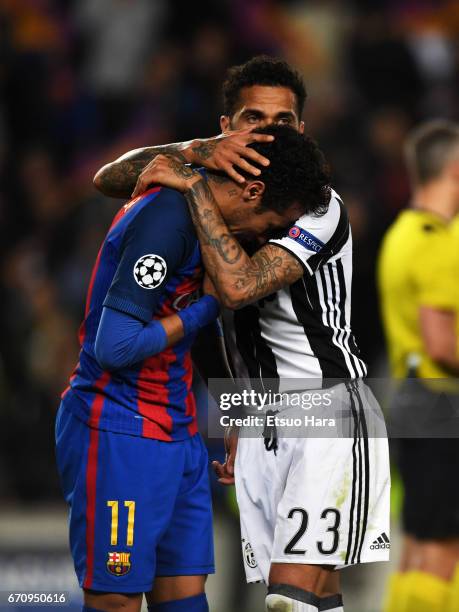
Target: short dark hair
point(297, 173)
point(429, 148)
point(261, 70)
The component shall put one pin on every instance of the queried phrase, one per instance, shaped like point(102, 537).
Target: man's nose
point(265, 122)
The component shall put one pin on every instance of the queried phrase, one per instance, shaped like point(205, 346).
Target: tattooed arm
point(238, 278)
point(131, 174)
point(118, 179)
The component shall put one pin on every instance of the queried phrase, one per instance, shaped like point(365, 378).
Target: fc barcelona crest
point(119, 563)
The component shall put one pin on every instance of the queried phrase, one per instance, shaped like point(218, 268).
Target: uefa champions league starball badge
point(150, 271)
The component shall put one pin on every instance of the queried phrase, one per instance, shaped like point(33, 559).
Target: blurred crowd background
point(82, 81)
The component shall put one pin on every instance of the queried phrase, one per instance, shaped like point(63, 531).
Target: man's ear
point(253, 191)
point(225, 123)
point(301, 129)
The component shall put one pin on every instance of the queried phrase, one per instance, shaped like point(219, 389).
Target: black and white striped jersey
point(303, 331)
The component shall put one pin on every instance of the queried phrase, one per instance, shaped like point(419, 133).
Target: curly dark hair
point(261, 70)
point(297, 174)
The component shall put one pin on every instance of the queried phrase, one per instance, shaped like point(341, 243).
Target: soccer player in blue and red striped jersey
point(133, 467)
point(149, 267)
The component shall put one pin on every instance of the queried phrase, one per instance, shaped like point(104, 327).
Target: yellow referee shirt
point(418, 266)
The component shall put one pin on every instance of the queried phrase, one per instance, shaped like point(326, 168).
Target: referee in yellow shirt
point(418, 279)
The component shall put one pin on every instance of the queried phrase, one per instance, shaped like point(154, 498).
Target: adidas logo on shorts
point(381, 542)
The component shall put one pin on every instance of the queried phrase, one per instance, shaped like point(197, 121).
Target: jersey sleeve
point(314, 235)
point(156, 243)
point(436, 271)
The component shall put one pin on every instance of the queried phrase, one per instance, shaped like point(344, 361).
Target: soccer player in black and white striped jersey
point(303, 330)
point(292, 320)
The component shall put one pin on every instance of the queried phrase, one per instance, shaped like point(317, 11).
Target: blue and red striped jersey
point(149, 266)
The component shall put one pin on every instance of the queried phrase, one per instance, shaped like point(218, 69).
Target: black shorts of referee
point(424, 427)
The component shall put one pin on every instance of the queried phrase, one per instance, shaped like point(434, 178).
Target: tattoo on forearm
point(270, 269)
point(229, 266)
point(228, 248)
point(210, 223)
point(119, 178)
point(180, 169)
point(259, 272)
point(204, 150)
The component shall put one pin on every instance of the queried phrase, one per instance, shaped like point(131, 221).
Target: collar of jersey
point(430, 216)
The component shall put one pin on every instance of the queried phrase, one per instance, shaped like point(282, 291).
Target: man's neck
point(224, 191)
point(436, 199)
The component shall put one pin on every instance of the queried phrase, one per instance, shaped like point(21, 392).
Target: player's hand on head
point(229, 151)
point(167, 171)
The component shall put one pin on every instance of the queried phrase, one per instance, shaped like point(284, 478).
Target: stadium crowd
point(84, 81)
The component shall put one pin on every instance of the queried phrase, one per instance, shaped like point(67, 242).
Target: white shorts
point(317, 501)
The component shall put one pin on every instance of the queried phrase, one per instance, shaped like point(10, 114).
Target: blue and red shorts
point(139, 508)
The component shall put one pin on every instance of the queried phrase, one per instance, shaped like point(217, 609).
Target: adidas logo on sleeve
point(381, 542)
